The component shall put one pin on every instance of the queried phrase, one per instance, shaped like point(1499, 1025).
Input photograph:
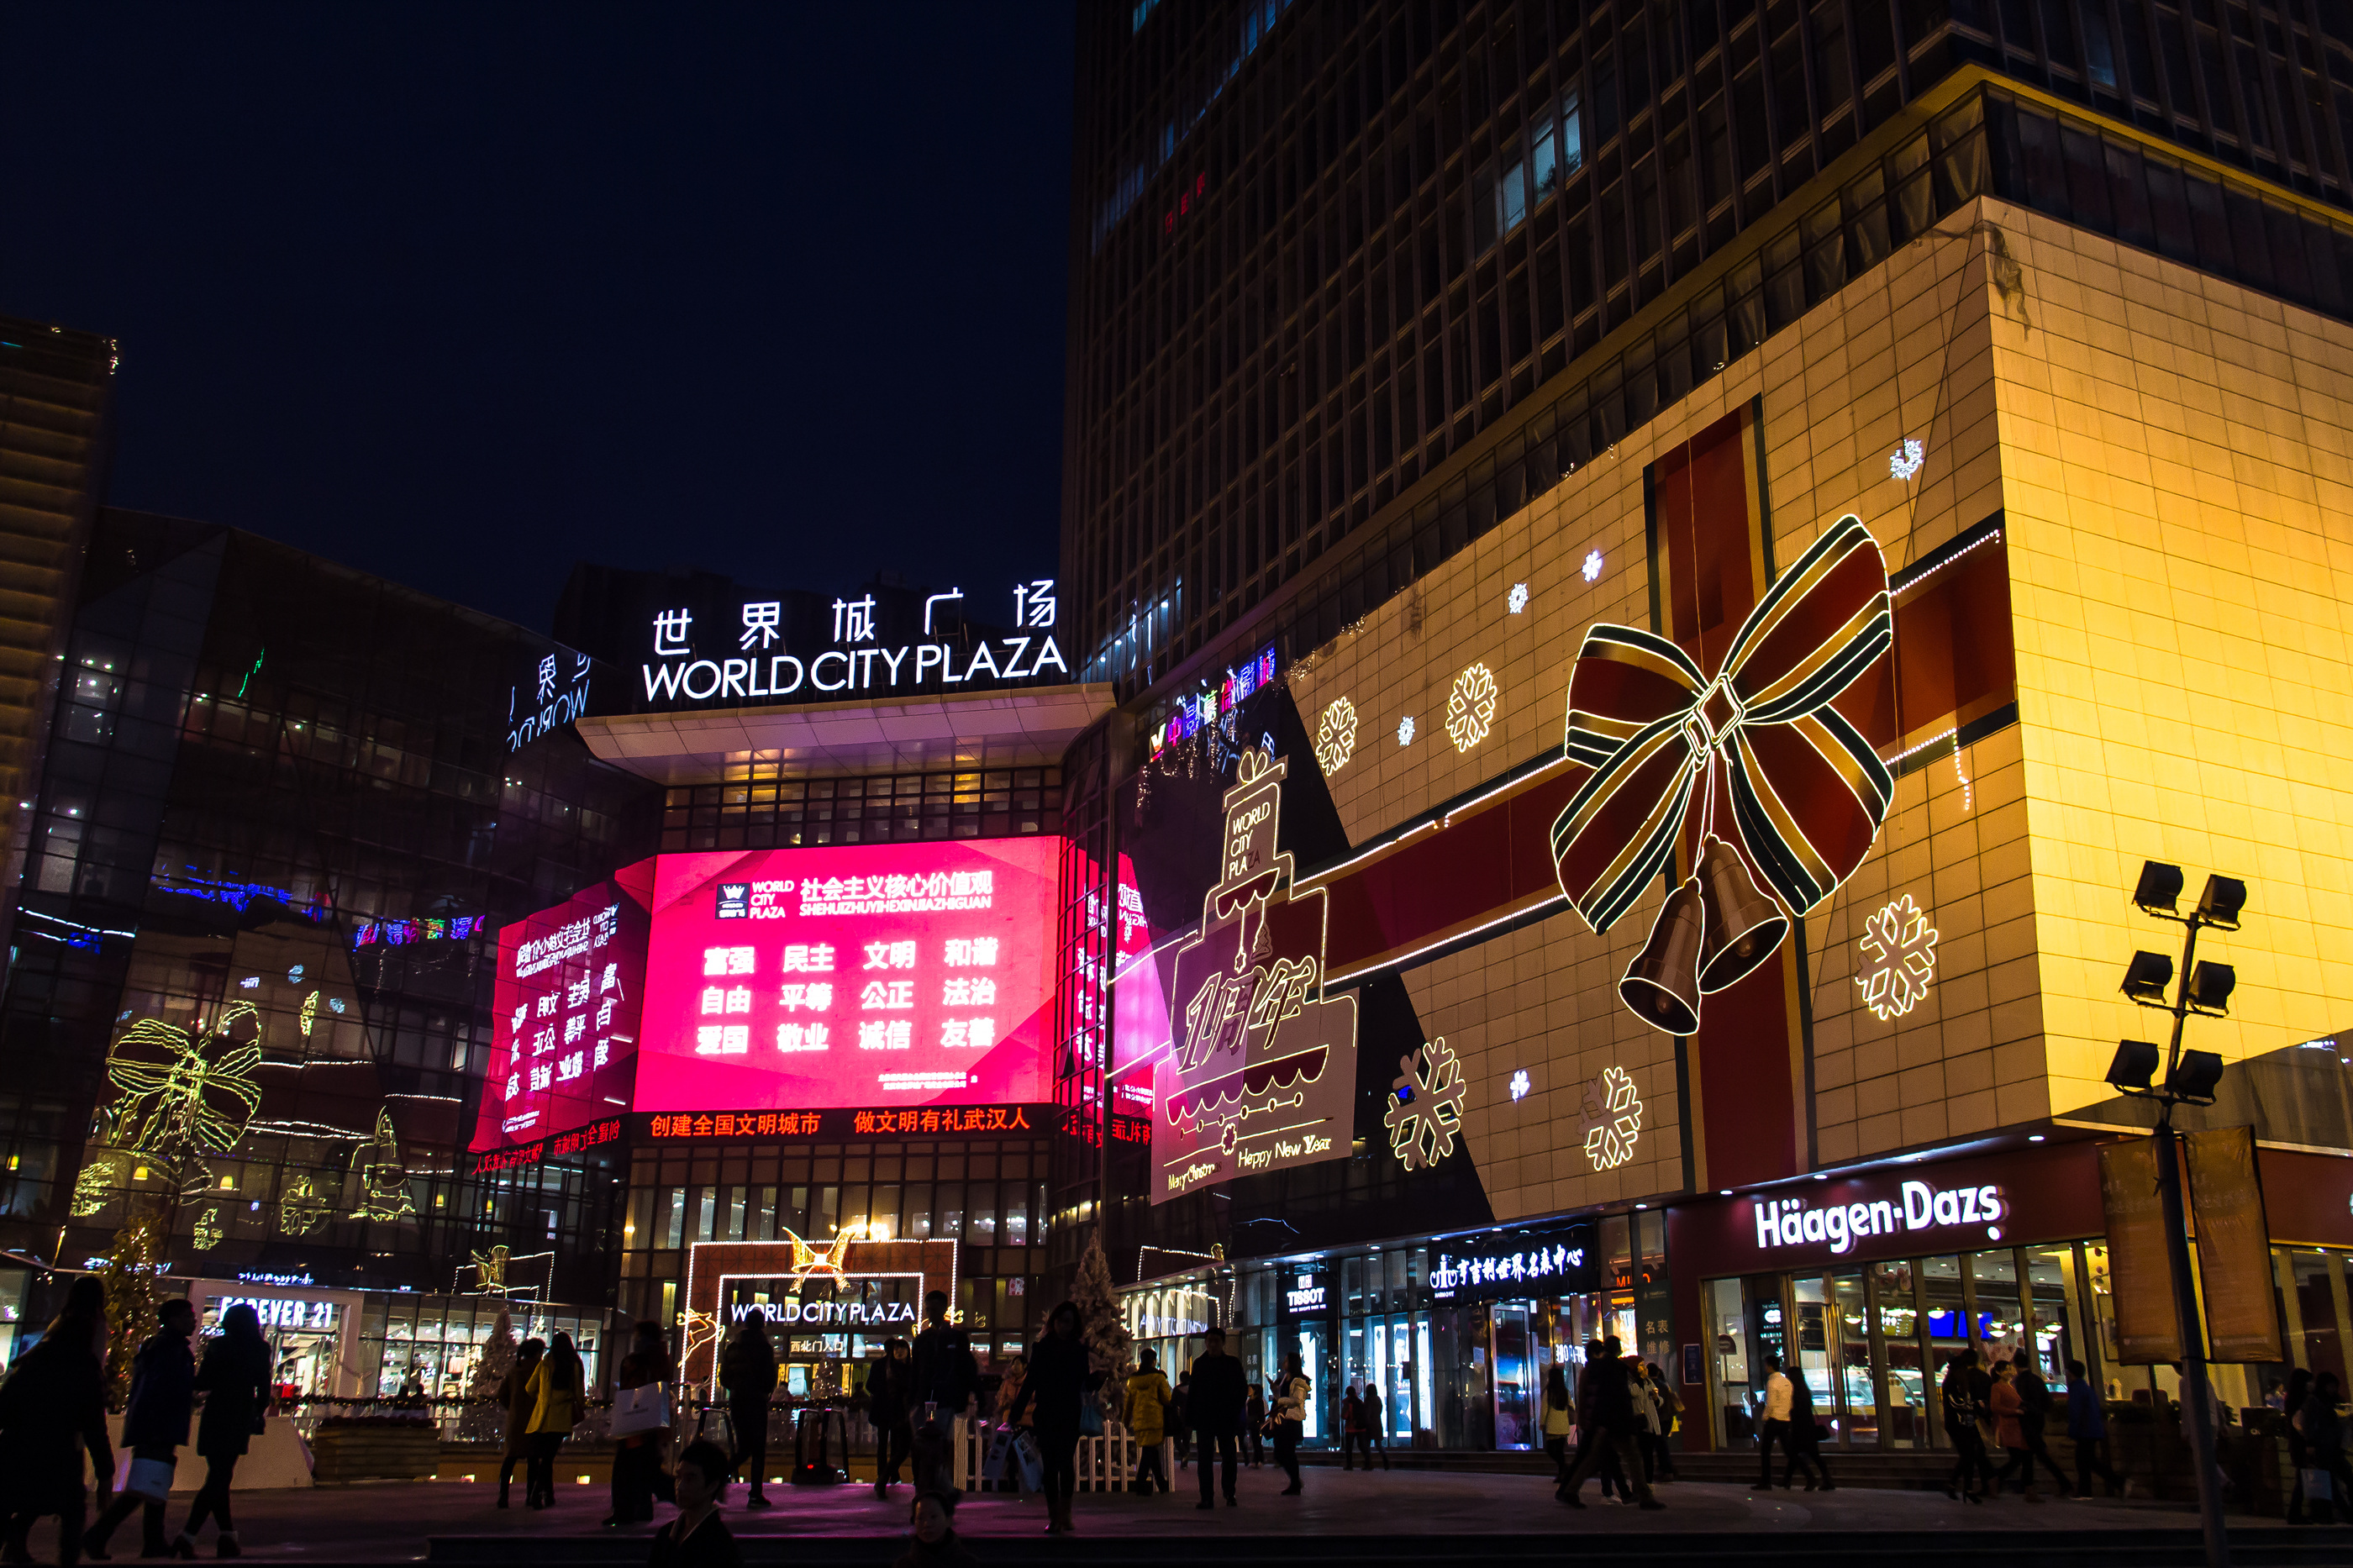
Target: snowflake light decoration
point(1470, 707)
point(1613, 1119)
point(1907, 459)
point(1520, 1084)
point(1405, 732)
point(1517, 598)
point(1335, 736)
point(1425, 1108)
point(1593, 565)
point(1899, 958)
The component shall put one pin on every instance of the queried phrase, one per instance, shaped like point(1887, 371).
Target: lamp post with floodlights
point(2190, 1079)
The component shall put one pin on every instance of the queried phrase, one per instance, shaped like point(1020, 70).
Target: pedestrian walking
point(1176, 1419)
point(2087, 1425)
point(1802, 1445)
point(945, 1370)
point(2299, 1452)
point(1558, 1418)
point(1254, 1426)
point(696, 1538)
point(1671, 1410)
point(1061, 1378)
point(890, 1399)
point(1289, 1395)
point(154, 1424)
point(1609, 1411)
point(517, 1400)
point(2034, 1403)
point(935, 1543)
point(748, 1370)
point(1376, 1427)
point(2324, 1441)
point(234, 1378)
point(52, 1411)
point(2008, 1434)
point(1149, 1398)
point(1613, 1483)
point(1776, 1428)
point(636, 1456)
point(1352, 1428)
point(1646, 1416)
point(1215, 1405)
point(557, 1390)
point(1971, 1471)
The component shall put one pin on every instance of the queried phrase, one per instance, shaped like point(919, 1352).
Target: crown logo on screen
point(734, 900)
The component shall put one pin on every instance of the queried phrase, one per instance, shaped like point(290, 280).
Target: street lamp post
point(2190, 1079)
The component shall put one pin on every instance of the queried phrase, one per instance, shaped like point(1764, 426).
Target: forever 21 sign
point(759, 669)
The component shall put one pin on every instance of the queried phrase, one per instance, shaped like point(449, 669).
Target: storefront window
point(2057, 1329)
point(2319, 1310)
point(1811, 1343)
point(1514, 1376)
point(1943, 1298)
point(1907, 1422)
point(2001, 1326)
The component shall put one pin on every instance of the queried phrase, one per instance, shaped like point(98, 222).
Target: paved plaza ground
point(401, 1521)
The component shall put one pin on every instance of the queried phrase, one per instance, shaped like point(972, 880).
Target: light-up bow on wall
point(1807, 791)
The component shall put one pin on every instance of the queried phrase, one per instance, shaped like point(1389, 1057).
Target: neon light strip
point(1915, 751)
point(694, 1257)
point(1907, 584)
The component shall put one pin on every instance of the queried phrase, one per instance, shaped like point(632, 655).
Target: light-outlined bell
point(1740, 926)
point(1662, 985)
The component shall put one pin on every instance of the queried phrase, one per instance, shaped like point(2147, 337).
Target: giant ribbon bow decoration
point(1808, 791)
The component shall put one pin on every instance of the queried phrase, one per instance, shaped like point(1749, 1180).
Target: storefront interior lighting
point(2034, 1138)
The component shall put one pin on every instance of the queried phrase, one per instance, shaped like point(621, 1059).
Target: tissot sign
point(746, 659)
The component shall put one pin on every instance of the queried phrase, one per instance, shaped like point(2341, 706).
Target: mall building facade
point(1867, 541)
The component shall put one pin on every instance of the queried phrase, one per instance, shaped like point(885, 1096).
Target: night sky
point(459, 295)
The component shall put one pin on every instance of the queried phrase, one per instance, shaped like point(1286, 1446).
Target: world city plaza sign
point(745, 659)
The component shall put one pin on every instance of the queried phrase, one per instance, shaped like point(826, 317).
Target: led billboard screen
point(563, 1032)
point(886, 975)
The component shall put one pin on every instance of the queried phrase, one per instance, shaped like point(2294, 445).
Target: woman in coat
point(748, 1369)
point(234, 1378)
point(52, 1409)
point(1146, 1418)
point(1292, 1390)
point(890, 1406)
point(556, 1389)
point(1557, 1420)
point(2009, 1433)
point(1805, 1440)
point(1058, 1382)
point(637, 1457)
point(1958, 1395)
point(514, 1398)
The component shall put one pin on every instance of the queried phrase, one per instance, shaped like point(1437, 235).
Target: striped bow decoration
point(1807, 791)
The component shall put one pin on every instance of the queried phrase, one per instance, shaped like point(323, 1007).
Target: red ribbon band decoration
point(1808, 791)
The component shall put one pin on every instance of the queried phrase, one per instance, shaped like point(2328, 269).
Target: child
point(935, 1544)
point(696, 1538)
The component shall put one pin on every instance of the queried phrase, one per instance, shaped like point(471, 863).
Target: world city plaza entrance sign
point(745, 660)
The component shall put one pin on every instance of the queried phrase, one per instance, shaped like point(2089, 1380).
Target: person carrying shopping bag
point(154, 1426)
point(637, 1453)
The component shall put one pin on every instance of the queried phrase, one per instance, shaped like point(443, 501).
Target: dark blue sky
point(456, 295)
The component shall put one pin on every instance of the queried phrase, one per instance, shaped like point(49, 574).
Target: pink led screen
point(564, 1033)
point(887, 974)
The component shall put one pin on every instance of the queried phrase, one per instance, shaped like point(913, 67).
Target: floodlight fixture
point(2135, 1065)
point(2220, 904)
point(2194, 1077)
point(2146, 977)
point(2159, 889)
point(2211, 985)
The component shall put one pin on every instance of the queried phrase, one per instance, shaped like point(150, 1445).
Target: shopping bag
point(2319, 1485)
point(1031, 1463)
point(1090, 1419)
point(1000, 1454)
point(150, 1479)
point(642, 1409)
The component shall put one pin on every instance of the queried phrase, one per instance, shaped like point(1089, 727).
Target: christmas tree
point(1101, 1326)
point(131, 1274)
point(484, 1421)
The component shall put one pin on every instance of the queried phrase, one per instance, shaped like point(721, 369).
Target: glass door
point(1322, 1414)
point(1729, 1364)
point(1850, 1352)
point(1515, 1372)
point(1814, 1340)
point(1904, 1374)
